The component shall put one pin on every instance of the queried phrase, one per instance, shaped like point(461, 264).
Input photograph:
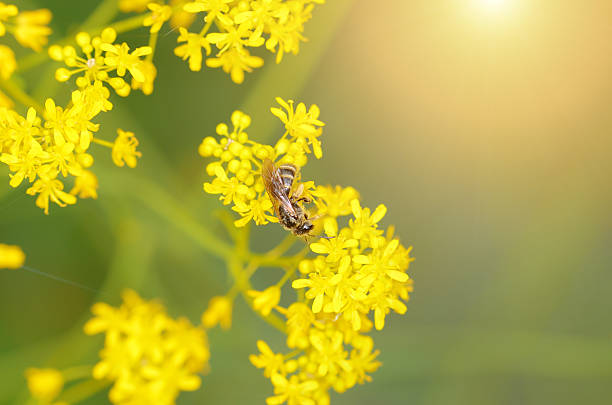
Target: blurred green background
point(483, 125)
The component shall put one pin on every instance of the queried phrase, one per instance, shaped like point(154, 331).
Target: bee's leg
point(298, 192)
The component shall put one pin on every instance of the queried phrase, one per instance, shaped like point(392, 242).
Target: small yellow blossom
point(11, 257)
point(264, 301)
point(7, 62)
point(219, 312)
point(124, 149)
point(150, 73)
point(192, 49)
point(159, 14)
point(119, 57)
point(44, 384)
point(31, 28)
point(180, 17)
point(235, 62)
point(49, 188)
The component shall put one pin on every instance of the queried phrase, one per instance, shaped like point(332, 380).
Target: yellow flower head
point(150, 73)
point(180, 18)
point(44, 384)
point(11, 257)
point(31, 28)
point(192, 49)
point(6, 11)
point(124, 149)
point(264, 301)
point(149, 356)
point(219, 312)
point(235, 61)
point(7, 62)
point(159, 15)
point(85, 185)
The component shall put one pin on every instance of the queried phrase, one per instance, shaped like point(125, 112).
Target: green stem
point(103, 142)
point(206, 27)
point(152, 45)
point(244, 285)
point(21, 96)
point(83, 390)
point(77, 372)
point(287, 276)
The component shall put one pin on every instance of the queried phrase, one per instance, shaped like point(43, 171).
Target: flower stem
point(83, 390)
point(152, 45)
point(103, 142)
point(21, 96)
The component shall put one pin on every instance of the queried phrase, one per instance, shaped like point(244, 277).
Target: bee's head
point(304, 228)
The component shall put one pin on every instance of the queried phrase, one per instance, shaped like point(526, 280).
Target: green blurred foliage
point(487, 140)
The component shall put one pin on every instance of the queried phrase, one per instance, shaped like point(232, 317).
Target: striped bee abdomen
point(287, 174)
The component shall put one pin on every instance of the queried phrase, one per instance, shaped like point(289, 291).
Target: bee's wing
point(274, 186)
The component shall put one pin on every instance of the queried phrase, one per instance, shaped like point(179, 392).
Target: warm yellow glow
point(493, 5)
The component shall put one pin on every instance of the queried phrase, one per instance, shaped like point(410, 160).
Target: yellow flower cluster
point(237, 170)
point(100, 58)
point(44, 149)
point(11, 257)
point(329, 354)
point(277, 24)
point(357, 270)
point(149, 356)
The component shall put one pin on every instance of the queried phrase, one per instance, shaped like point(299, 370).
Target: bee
point(287, 205)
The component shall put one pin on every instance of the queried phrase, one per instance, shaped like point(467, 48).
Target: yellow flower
point(192, 49)
point(7, 62)
point(119, 57)
point(235, 62)
point(213, 7)
point(149, 356)
point(85, 185)
point(180, 18)
point(137, 6)
point(11, 257)
point(44, 384)
point(264, 301)
point(301, 123)
point(49, 188)
point(150, 72)
point(159, 15)
point(124, 149)
point(219, 312)
point(271, 362)
point(31, 28)
point(6, 11)
point(292, 390)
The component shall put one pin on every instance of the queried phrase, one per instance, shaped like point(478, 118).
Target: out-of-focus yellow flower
point(124, 149)
point(8, 64)
point(31, 28)
point(149, 356)
point(137, 6)
point(6, 11)
point(180, 17)
point(11, 257)
point(85, 185)
point(219, 312)
point(44, 384)
point(150, 73)
point(159, 14)
point(264, 301)
point(192, 49)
